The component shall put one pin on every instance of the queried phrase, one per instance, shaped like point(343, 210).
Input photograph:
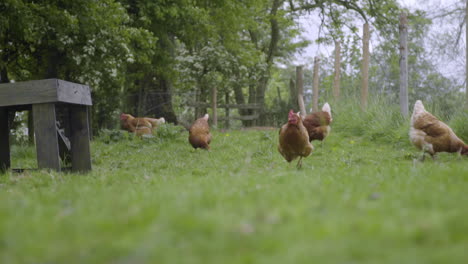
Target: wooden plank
point(46, 136)
point(4, 140)
point(74, 93)
point(249, 117)
point(30, 92)
point(238, 106)
point(79, 137)
point(44, 91)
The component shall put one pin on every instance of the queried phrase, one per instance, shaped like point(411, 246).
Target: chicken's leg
point(299, 163)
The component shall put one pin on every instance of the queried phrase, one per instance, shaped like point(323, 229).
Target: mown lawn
point(160, 201)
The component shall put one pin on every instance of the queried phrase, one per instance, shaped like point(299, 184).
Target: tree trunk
point(270, 53)
point(404, 64)
point(240, 99)
point(252, 100)
point(337, 74)
point(300, 90)
point(227, 110)
point(214, 106)
point(365, 67)
point(315, 85)
point(158, 98)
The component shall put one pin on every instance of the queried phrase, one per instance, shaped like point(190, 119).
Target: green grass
point(159, 201)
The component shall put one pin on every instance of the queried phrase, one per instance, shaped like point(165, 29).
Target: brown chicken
point(199, 133)
point(140, 125)
point(294, 139)
point(318, 123)
point(431, 135)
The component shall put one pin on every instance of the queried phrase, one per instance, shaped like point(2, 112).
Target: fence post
point(365, 66)
point(315, 85)
point(404, 64)
point(337, 74)
point(300, 90)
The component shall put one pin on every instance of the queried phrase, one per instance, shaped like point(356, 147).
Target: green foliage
point(169, 131)
point(112, 136)
point(459, 123)
point(381, 122)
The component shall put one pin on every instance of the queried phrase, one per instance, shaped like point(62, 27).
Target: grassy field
point(159, 201)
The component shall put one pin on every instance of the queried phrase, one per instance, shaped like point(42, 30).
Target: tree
point(82, 41)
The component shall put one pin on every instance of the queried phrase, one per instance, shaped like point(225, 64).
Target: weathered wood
point(44, 91)
point(30, 128)
point(73, 93)
point(365, 66)
point(337, 72)
point(63, 132)
point(237, 106)
point(247, 117)
point(79, 137)
point(46, 136)
point(64, 145)
point(90, 122)
point(315, 85)
point(4, 140)
point(300, 90)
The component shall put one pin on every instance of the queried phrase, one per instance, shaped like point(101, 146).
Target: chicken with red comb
point(294, 139)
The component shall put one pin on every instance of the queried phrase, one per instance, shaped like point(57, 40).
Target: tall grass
point(381, 122)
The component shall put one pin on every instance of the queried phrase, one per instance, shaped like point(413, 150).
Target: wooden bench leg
point(5, 162)
point(46, 136)
point(79, 137)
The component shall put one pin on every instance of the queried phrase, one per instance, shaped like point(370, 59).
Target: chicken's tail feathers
point(418, 107)
point(156, 121)
point(326, 108)
point(206, 116)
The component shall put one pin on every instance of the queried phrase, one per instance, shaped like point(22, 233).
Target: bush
point(169, 131)
point(459, 124)
point(109, 136)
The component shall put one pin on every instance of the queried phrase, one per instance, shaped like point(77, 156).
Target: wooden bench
point(43, 98)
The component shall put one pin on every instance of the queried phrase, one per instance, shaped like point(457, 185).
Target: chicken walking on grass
point(431, 135)
point(294, 139)
point(318, 123)
point(199, 133)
